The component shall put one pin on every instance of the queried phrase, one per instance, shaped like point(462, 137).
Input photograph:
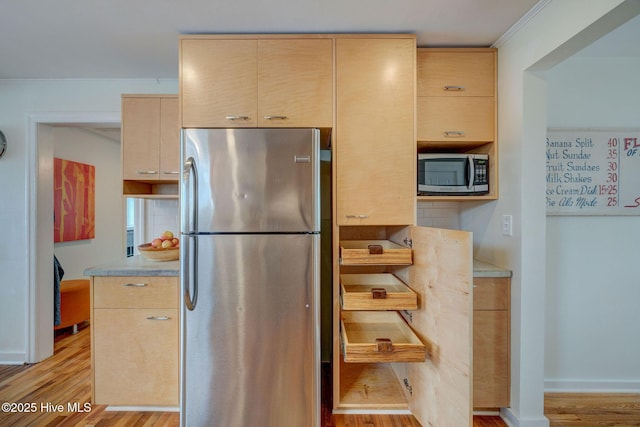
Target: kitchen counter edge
point(135, 266)
point(484, 269)
point(138, 266)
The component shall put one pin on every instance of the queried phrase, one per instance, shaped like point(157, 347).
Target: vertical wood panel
point(442, 275)
point(375, 140)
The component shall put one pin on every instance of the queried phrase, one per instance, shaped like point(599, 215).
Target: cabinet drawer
point(373, 252)
point(135, 292)
point(490, 293)
point(456, 73)
point(382, 291)
point(456, 119)
point(379, 336)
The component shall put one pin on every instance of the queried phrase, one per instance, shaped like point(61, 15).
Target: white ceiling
point(139, 38)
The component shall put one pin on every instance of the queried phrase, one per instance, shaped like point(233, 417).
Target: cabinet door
point(459, 72)
point(491, 329)
point(135, 357)
point(490, 359)
point(295, 83)
point(375, 140)
point(218, 83)
point(442, 275)
point(140, 138)
point(456, 119)
point(169, 138)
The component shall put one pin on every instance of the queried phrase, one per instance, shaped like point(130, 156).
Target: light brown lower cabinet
point(404, 342)
point(135, 341)
point(491, 331)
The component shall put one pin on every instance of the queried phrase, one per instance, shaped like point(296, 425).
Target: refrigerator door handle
point(190, 267)
point(190, 199)
point(189, 262)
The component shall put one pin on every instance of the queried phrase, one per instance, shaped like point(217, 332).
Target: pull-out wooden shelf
point(374, 252)
point(381, 291)
point(372, 386)
point(379, 336)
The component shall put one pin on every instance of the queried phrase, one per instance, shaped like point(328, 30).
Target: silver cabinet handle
point(135, 285)
point(276, 117)
point(357, 216)
point(149, 172)
point(453, 133)
point(454, 88)
point(171, 173)
point(237, 117)
point(158, 317)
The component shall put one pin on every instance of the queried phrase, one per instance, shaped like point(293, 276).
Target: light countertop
point(139, 266)
point(135, 266)
point(484, 269)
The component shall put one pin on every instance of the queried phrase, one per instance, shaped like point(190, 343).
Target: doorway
point(40, 334)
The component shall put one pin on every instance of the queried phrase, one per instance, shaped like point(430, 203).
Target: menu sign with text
point(593, 172)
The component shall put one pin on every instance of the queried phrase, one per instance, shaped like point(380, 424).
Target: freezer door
point(250, 345)
point(250, 180)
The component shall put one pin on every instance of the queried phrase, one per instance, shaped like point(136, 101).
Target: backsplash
point(438, 214)
point(161, 215)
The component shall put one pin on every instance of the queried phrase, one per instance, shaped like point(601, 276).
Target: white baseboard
point(512, 420)
point(597, 386)
point(13, 358)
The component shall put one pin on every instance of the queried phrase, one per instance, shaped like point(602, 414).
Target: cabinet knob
point(384, 345)
point(378, 293)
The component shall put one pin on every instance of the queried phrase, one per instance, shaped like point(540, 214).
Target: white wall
point(556, 31)
point(79, 145)
point(593, 290)
point(19, 100)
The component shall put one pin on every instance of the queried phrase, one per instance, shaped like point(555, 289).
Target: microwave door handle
point(470, 172)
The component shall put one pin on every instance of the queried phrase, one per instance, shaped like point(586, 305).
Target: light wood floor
point(65, 378)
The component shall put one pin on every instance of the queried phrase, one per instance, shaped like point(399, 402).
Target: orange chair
point(74, 303)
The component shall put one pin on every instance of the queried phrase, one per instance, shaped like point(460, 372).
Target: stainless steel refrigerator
point(250, 247)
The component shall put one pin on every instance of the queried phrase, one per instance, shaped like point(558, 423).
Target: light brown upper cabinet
point(457, 108)
point(244, 81)
point(456, 95)
point(150, 145)
point(375, 154)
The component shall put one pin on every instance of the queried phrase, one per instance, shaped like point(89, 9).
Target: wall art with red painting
point(74, 186)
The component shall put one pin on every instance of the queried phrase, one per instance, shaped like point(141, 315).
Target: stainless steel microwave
point(453, 174)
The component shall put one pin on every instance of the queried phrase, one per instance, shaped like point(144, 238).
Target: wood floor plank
point(587, 409)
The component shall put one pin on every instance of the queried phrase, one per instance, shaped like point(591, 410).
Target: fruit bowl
point(158, 254)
